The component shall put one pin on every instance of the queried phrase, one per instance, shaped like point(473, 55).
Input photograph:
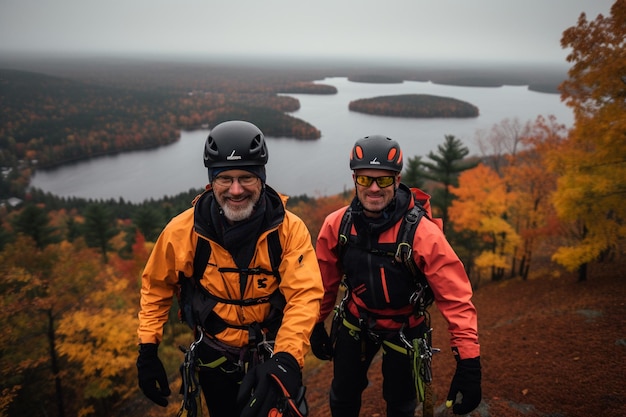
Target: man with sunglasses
point(385, 303)
point(256, 295)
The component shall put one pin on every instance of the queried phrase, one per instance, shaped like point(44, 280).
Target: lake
point(296, 167)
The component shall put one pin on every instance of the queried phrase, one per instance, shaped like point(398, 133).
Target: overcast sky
point(501, 30)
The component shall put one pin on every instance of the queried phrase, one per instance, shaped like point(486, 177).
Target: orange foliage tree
point(313, 212)
point(526, 173)
point(482, 206)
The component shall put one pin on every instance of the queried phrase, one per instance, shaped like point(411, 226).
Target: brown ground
point(550, 347)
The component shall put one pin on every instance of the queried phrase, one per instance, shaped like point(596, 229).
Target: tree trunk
point(582, 272)
point(54, 364)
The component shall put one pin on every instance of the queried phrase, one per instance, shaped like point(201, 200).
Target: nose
point(374, 186)
point(235, 187)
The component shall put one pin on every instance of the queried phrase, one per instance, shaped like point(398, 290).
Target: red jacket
point(432, 254)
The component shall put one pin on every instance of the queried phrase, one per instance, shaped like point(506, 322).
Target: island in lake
point(414, 105)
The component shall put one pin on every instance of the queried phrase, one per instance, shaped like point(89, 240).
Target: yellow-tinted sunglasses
point(382, 182)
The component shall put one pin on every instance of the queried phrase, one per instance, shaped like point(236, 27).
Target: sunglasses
point(382, 182)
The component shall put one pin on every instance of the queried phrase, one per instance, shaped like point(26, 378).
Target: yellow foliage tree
point(592, 164)
point(100, 337)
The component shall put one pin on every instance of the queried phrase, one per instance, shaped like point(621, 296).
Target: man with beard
point(252, 309)
point(391, 278)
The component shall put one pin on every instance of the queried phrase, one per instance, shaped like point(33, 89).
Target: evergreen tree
point(448, 163)
point(99, 228)
point(149, 222)
point(34, 222)
point(414, 174)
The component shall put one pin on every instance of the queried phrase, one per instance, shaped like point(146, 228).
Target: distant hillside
point(55, 120)
point(254, 73)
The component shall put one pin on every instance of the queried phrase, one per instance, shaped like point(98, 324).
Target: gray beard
point(238, 215)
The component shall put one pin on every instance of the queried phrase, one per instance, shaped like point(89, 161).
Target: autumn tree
point(482, 205)
point(99, 338)
point(592, 165)
point(526, 173)
point(67, 332)
point(40, 286)
point(314, 211)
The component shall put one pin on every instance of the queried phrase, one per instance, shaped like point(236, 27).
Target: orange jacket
point(300, 282)
point(433, 255)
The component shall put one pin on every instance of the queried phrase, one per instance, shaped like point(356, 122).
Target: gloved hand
point(320, 343)
point(272, 385)
point(150, 372)
point(466, 381)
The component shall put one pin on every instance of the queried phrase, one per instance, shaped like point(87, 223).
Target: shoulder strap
point(405, 238)
point(344, 232)
point(201, 258)
point(275, 250)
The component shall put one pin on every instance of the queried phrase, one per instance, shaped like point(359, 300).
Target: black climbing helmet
point(235, 143)
point(378, 152)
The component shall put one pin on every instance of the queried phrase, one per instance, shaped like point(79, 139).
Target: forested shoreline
point(57, 112)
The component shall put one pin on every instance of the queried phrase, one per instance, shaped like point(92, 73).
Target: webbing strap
point(203, 253)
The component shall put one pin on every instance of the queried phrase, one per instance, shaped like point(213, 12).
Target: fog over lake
point(296, 167)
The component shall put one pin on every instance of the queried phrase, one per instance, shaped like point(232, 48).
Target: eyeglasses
point(244, 180)
point(382, 182)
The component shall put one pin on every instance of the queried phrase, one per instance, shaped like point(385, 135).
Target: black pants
point(352, 359)
point(220, 385)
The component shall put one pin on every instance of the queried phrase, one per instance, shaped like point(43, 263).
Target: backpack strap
point(344, 232)
point(404, 240)
point(275, 250)
point(201, 258)
point(423, 296)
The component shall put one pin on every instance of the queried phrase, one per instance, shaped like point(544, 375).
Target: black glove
point(273, 384)
point(466, 381)
point(150, 372)
point(320, 343)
